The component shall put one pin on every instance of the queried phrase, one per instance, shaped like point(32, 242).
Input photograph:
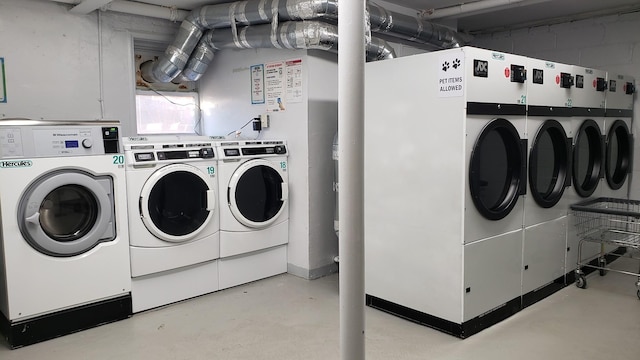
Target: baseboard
point(64, 322)
point(312, 274)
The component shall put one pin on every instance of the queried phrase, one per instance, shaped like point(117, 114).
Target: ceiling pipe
point(138, 8)
point(288, 35)
point(474, 8)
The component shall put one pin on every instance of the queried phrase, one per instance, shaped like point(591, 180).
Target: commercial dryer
point(445, 170)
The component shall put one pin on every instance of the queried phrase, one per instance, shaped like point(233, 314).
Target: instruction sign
point(257, 84)
point(274, 77)
point(451, 75)
point(294, 80)
point(3, 83)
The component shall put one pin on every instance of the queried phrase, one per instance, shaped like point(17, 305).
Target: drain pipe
point(351, 27)
point(288, 35)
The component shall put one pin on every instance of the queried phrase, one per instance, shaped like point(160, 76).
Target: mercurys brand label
point(451, 75)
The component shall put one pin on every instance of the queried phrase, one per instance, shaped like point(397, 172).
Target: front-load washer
point(549, 91)
point(254, 210)
point(588, 107)
point(174, 221)
point(445, 171)
point(619, 138)
point(64, 245)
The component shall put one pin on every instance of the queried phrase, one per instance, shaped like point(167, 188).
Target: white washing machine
point(588, 107)
point(64, 254)
point(174, 221)
point(619, 138)
point(550, 89)
point(445, 171)
point(254, 210)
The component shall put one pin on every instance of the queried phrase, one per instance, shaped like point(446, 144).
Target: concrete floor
point(286, 317)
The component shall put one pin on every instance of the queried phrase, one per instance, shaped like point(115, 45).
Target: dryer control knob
point(87, 143)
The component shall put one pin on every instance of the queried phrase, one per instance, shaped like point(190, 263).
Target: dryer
point(550, 89)
point(64, 245)
point(588, 124)
point(174, 221)
point(254, 210)
point(445, 170)
point(619, 138)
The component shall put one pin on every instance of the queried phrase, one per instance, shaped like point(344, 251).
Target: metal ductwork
point(288, 35)
point(256, 12)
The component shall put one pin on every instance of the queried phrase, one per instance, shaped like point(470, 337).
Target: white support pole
point(351, 60)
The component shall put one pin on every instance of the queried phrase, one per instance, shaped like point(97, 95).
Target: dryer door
point(176, 202)
point(497, 169)
point(618, 160)
point(587, 158)
point(67, 212)
point(257, 193)
point(549, 164)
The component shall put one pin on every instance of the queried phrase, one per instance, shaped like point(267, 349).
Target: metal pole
point(351, 59)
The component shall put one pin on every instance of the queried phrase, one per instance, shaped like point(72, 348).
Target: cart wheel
point(581, 281)
point(602, 262)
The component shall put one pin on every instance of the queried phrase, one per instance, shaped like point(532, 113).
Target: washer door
point(176, 202)
point(618, 160)
point(587, 158)
point(257, 193)
point(549, 164)
point(67, 212)
point(497, 169)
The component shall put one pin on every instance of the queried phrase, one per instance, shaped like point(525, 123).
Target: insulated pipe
point(288, 35)
point(351, 27)
point(474, 8)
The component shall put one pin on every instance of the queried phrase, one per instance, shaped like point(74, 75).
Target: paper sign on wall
point(257, 84)
point(3, 83)
point(274, 86)
point(451, 75)
point(294, 80)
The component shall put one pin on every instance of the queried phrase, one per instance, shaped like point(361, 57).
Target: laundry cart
point(614, 224)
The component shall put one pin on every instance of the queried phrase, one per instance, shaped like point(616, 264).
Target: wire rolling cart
point(607, 221)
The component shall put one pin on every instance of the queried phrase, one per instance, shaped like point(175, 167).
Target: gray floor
point(286, 317)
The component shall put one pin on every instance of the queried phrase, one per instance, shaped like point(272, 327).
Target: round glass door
point(548, 164)
point(618, 157)
point(257, 193)
point(587, 158)
point(496, 170)
point(67, 212)
point(176, 202)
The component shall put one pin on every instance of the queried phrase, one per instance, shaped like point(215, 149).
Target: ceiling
point(499, 14)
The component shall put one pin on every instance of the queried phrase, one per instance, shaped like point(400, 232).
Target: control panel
point(150, 154)
point(247, 149)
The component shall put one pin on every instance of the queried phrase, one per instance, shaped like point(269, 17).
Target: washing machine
point(550, 91)
point(445, 174)
point(254, 210)
point(64, 245)
point(588, 124)
point(619, 138)
point(174, 226)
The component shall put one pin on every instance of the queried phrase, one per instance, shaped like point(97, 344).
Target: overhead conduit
point(257, 12)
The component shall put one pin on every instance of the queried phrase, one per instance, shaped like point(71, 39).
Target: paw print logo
point(445, 66)
point(456, 63)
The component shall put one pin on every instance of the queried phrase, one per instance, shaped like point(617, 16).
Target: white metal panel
point(549, 93)
point(492, 273)
point(497, 87)
point(543, 253)
point(589, 249)
point(414, 179)
point(239, 242)
point(253, 266)
point(588, 96)
point(619, 99)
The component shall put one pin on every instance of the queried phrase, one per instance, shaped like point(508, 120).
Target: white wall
point(609, 43)
point(71, 67)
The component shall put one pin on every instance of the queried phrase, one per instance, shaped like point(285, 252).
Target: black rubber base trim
point(463, 330)
point(610, 257)
point(533, 297)
point(46, 327)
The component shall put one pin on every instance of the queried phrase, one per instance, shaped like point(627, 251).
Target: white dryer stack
point(549, 93)
point(445, 170)
point(174, 223)
point(619, 138)
point(64, 245)
point(254, 210)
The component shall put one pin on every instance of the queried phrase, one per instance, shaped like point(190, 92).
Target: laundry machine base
point(234, 243)
point(45, 327)
point(171, 286)
point(253, 266)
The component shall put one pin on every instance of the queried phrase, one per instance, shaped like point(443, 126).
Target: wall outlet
point(264, 119)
